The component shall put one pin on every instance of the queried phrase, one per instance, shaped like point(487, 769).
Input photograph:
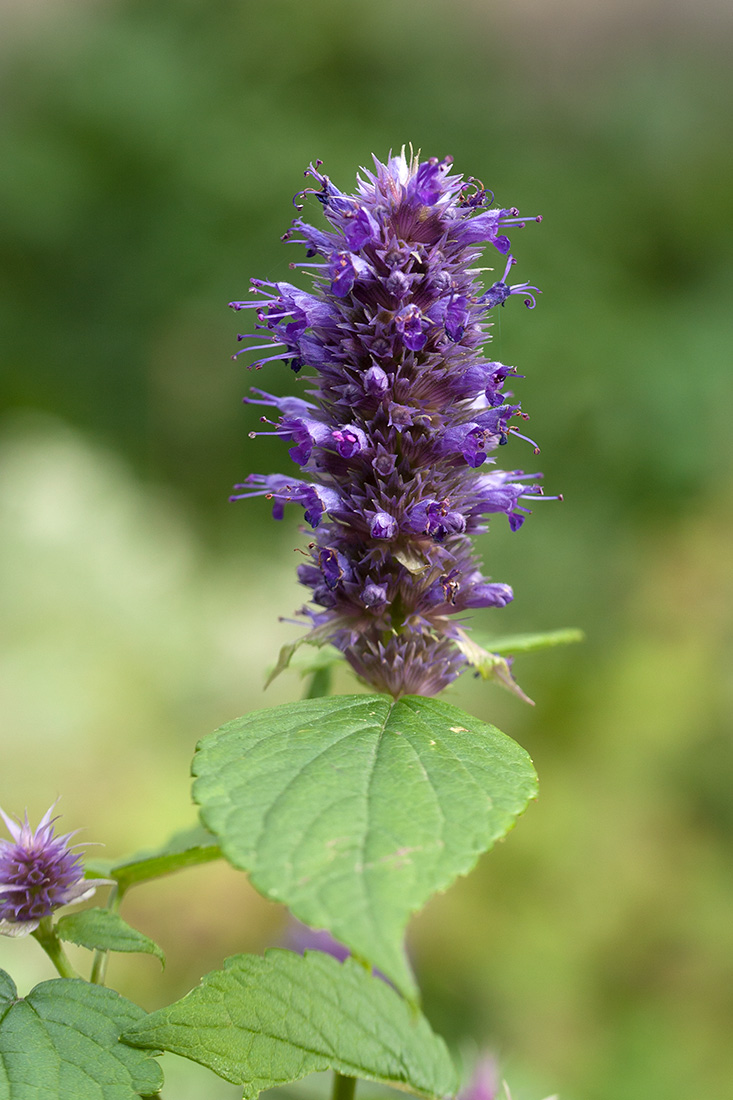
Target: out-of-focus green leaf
point(353, 810)
point(102, 930)
point(61, 1042)
point(522, 643)
point(184, 849)
point(315, 659)
point(263, 1022)
point(489, 666)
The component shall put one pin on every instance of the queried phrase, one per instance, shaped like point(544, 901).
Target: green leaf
point(316, 637)
point(353, 810)
point(489, 666)
point(61, 1042)
point(413, 559)
point(103, 930)
point(312, 660)
point(522, 643)
point(184, 849)
point(264, 1022)
point(284, 657)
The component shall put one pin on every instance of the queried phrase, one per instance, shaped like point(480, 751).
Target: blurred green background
point(149, 154)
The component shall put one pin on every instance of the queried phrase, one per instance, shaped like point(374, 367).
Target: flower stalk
point(51, 944)
point(343, 1087)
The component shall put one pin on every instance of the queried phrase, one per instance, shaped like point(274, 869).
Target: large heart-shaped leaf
point(353, 810)
point(263, 1022)
point(62, 1041)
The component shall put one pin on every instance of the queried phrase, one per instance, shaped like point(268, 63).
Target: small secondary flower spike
point(395, 445)
point(38, 873)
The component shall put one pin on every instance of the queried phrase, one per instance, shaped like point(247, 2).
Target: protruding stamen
point(519, 221)
point(269, 359)
point(259, 347)
point(539, 495)
point(525, 438)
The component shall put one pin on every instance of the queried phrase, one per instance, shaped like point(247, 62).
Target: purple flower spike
point(397, 444)
point(38, 874)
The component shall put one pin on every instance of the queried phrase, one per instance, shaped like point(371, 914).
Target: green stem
point(49, 941)
point(320, 684)
point(99, 968)
point(343, 1087)
point(101, 958)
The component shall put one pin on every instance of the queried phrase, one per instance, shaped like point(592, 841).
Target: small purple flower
point(383, 526)
point(350, 440)
point(38, 874)
point(396, 447)
point(301, 937)
point(484, 1081)
point(344, 269)
point(409, 324)
point(376, 381)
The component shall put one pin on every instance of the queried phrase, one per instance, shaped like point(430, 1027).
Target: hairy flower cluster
point(396, 442)
point(38, 873)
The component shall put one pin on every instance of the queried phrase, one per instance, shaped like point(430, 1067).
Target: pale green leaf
point(263, 1022)
point(353, 810)
point(490, 666)
point(184, 849)
point(103, 930)
point(522, 643)
point(283, 660)
point(316, 637)
point(61, 1042)
point(313, 659)
point(414, 560)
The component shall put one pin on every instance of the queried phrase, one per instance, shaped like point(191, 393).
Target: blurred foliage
point(150, 151)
